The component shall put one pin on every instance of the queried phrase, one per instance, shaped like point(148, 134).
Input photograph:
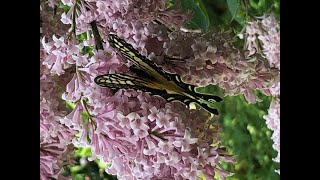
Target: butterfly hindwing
point(187, 101)
point(124, 81)
point(140, 73)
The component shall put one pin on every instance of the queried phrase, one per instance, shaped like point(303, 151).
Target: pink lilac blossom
point(142, 135)
point(51, 22)
point(275, 89)
point(206, 60)
point(52, 159)
point(148, 11)
point(152, 139)
point(237, 74)
point(122, 146)
point(267, 33)
point(55, 138)
point(211, 59)
point(273, 123)
point(131, 20)
point(129, 127)
point(62, 54)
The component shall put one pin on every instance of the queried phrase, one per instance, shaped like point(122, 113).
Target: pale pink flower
point(137, 122)
point(273, 123)
point(163, 119)
point(185, 142)
point(154, 111)
point(67, 2)
point(124, 120)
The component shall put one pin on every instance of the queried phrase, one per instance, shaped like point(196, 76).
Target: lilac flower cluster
point(142, 136)
point(267, 33)
point(50, 22)
point(131, 20)
point(211, 59)
point(55, 138)
point(273, 123)
point(125, 126)
point(202, 59)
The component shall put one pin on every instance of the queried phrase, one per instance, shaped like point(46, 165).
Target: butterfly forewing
point(138, 60)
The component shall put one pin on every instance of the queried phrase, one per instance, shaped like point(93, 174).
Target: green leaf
point(234, 8)
point(202, 7)
point(200, 18)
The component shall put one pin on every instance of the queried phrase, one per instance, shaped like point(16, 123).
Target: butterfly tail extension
point(209, 109)
point(191, 89)
point(209, 97)
point(187, 100)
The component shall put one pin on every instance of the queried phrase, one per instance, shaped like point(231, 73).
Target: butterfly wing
point(144, 67)
point(123, 81)
point(153, 79)
point(139, 61)
point(187, 100)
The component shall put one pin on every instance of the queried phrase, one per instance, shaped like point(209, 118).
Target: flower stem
point(85, 105)
point(73, 30)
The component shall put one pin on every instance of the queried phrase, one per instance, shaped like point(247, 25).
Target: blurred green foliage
point(86, 170)
point(245, 133)
point(200, 17)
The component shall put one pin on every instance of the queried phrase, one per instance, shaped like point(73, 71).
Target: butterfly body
point(151, 78)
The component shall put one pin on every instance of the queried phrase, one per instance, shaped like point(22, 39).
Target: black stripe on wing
point(123, 81)
point(126, 49)
point(187, 101)
point(191, 89)
point(141, 73)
